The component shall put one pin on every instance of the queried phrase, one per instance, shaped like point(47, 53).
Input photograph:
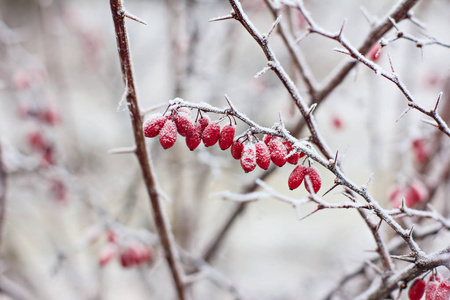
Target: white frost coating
point(248, 158)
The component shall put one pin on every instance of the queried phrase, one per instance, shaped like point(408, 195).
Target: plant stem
point(162, 224)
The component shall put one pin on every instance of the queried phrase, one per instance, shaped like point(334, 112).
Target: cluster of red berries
point(435, 289)
point(130, 255)
point(251, 154)
point(414, 193)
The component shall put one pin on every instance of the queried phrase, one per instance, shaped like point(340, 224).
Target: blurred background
point(71, 206)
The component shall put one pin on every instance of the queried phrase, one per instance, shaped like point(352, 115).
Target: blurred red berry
point(417, 289)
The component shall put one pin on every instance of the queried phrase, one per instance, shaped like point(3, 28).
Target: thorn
point(312, 108)
point(343, 51)
point(227, 17)
point(342, 27)
point(274, 24)
point(302, 37)
point(134, 18)
point(430, 123)
point(391, 64)
point(123, 150)
point(403, 258)
point(311, 213)
point(437, 102)
point(394, 23)
point(378, 225)
point(403, 113)
point(332, 188)
point(262, 72)
point(411, 231)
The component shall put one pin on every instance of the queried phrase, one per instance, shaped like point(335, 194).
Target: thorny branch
point(162, 223)
point(392, 76)
point(398, 13)
point(273, 63)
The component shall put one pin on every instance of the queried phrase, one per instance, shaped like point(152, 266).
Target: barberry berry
point(193, 140)
point(294, 157)
point(296, 177)
point(211, 134)
point(417, 289)
point(262, 155)
point(204, 121)
point(248, 158)
point(278, 152)
point(185, 125)
point(267, 138)
point(314, 177)
point(153, 125)
point(236, 149)
point(226, 136)
point(168, 134)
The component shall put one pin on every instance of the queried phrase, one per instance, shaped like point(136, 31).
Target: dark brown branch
point(162, 224)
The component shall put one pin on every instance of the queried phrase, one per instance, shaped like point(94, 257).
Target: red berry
point(154, 124)
point(431, 290)
point(374, 52)
point(204, 121)
point(168, 134)
point(337, 122)
point(226, 136)
point(278, 152)
point(443, 291)
point(49, 117)
point(293, 159)
point(107, 253)
point(193, 140)
point(395, 196)
point(417, 192)
point(236, 149)
point(112, 236)
point(314, 177)
point(262, 155)
point(127, 258)
point(267, 138)
point(185, 125)
point(296, 177)
point(248, 158)
point(417, 289)
point(184, 110)
point(211, 134)
point(37, 140)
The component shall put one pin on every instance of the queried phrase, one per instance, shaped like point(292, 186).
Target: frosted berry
point(211, 134)
point(204, 121)
point(431, 290)
point(153, 125)
point(267, 138)
point(236, 149)
point(127, 258)
point(296, 177)
point(278, 152)
point(193, 140)
point(168, 134)
point(248, 158)
point(314, 177)
point(226, 136)
point(184, 110)
point(262, 155)
point(417, 289)
point(443, 291)
point(185, 125)
point(293, 159)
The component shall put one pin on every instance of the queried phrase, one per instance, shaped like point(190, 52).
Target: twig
point(160, 217)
